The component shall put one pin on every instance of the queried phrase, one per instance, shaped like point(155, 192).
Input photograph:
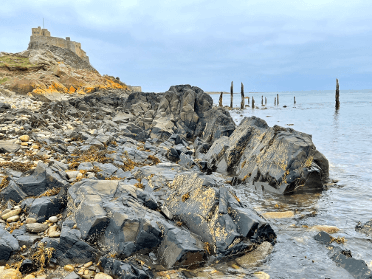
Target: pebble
point(88, 264)
point(52, 231)
point(13, 219)
point(24, 138)
point(261, 275)
point(36, 227)
point(53, 219)
point(10, 274)
point(102, 276)
point(30, 220)
point(69, 267)
point(30, 276)
point(11, 213)
point(327, 229)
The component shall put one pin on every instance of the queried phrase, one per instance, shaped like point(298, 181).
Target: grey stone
point(12, 192)
point(8, 245)
point(9, 146)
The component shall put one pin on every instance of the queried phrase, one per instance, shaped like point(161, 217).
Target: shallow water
point(345, 138)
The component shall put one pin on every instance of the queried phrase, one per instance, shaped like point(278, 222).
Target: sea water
point(344, 136)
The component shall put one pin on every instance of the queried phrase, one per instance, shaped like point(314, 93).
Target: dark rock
point(4, 107)
point(124, 270)
point(12, 192)
point(366, 228)
point(8, 245)
point(41, 179)
point(27, 266)
point(173, 155)
point(44, 207)
point(186, 161)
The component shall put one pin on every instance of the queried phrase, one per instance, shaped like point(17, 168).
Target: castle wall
point(42, 36)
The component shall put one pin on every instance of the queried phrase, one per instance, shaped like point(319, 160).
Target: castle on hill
point(42, 36)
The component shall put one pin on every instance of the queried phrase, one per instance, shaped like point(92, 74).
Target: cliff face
point(49, 69)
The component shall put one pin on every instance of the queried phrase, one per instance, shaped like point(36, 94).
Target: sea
point(344, 136)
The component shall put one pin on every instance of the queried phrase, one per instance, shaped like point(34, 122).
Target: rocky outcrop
point(275, 159)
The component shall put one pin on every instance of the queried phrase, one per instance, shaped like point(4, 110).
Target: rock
point(12, 192)
point(102, 276)
point(256, 256)
point(13, 219)
point(327, 229)
point(29, 276)
point(8, 245)
point(53, 219)
point(27, 266)
point(278, 215)
point(276, 159)
point(9, 146)
point(53, 232)
point(119, 269)
point(30, 220)
point(10, 274)
point(43, 208)
point(24, 138)
point(4, 107)
point(41, 179)
point(366, 228)
point(261, 275)
point(36, 227)
point(69, 267)
point(72, 275)
point(11, 213)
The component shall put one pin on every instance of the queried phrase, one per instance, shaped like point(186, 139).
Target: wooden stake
point(252, 102)
point(220, 100)
point(231, 93)
point(277, 99)
point(294, 99)
point(337, 94)
point(265, 101)
point(242, 95)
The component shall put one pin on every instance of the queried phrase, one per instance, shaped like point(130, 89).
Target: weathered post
point(277, 99)
point(294, 98)
point(252, 102)
point(220, 100)
point(265, 101)
point(262, 101)
point(242, 95)
point(231, 93)
point(248, 100)
point(337, 94)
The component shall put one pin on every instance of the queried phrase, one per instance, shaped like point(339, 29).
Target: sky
point(268, 45)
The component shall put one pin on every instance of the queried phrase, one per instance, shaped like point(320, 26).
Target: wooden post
point(248, 100)
point(220, 101)
point(277, 99)
point(265, 101)
point(294, 99)
point(337, 94)
point(252, 102)
point(262, 101)
point(231, 93)
point(242, 95)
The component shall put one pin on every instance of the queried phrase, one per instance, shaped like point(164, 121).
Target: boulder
point(44, 207)
point(42, 178)
point(12, 192)
point(124, 270)
point(9, 146)
point(276, 159)
point(4, 107)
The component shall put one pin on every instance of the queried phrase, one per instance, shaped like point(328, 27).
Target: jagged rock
point(276, 159)
point(42, 208)
point(124, 270)
point(41, 179)
point(12, 192)
point(8, 245)
point(4, 107)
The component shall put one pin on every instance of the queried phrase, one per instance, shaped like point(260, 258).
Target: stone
point(69, 267)
point(36, 227)
point(278, 215)
point(8, 245)
point(41, 179)
point(11, 213)
point(9, 146)
point(10, 274)
point(53, 219)
point(261, 275)
point(255, 257)
point(29, 276)
point(53, 231)
point(13, 219)
point(102, 275)
point(13, 192)
point(24, 138)
point(119, 269)
point(72, 275)
point(365, 228)
point(327, 229)
point(30, 220)
point(43, 208)
point(4, 107)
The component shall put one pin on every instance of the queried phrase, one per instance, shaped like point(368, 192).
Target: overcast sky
point(269, 45)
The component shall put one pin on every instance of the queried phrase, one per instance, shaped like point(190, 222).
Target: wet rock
point(276, 159)
point(366, 228)
point(41, 179)
point(119, 269)
point(278, 215)
point(256, 256)
point(8, 245)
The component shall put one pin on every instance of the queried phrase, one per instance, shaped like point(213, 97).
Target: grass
point(11, 60)
point(3, 80)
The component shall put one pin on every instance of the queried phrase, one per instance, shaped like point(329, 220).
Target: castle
point(42, 36)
